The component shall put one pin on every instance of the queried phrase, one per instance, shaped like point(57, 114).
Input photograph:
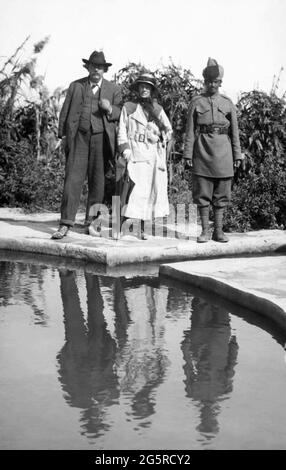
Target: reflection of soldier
point(142, 362)
point(210, 356)
point(86, 361)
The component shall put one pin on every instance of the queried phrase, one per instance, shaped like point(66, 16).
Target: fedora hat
point(96, 58)
point(145, 78)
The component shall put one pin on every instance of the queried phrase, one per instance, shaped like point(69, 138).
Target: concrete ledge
point(112, 253)
point(240, 281)
point(190, 250)
point(48, 247)
point(32, 234)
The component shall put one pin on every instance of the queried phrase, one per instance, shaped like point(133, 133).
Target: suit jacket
point(72, 108)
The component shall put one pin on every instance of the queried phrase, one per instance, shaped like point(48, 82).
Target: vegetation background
point(32, 164)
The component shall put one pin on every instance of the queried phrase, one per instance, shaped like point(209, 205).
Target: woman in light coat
point(143, 135)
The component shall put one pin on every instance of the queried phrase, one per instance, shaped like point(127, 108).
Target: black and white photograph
point(142, 229)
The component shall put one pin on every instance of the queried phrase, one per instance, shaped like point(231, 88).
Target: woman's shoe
point(144, 236)
point(61, 232)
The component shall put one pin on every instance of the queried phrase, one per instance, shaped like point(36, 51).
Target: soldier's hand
point(61, 143)
point(105, 105)
point(244, 157)
point(237, 163)
point(189, 164)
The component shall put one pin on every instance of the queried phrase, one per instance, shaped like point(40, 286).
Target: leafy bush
point(16, 165)
point(26, 182)
point(259, 196)
point(31, 170)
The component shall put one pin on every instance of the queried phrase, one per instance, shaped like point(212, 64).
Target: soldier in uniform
point(212, 148)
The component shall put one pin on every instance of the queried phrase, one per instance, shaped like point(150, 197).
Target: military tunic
point(212, 138)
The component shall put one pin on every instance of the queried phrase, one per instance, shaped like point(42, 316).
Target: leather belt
point(212, 129)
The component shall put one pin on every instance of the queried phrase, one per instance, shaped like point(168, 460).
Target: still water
point(97, 362)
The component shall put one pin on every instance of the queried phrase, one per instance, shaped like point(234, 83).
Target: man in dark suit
point(88, 121)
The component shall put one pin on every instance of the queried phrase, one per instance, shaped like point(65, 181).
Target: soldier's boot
point(218, 235)
point(205, 235)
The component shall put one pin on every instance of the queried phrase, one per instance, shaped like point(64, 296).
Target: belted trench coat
point(147, 167)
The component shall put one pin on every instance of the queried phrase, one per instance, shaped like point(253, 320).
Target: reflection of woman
point(142, 363)
point(143, 135)
point(210, 354)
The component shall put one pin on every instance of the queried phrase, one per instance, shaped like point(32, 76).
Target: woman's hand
point(127, 154)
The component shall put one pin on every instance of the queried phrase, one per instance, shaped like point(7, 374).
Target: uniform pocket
point(223, 115)
point(203, 115)
point(224, 110)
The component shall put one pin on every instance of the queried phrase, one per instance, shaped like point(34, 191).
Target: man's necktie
point(94, 88)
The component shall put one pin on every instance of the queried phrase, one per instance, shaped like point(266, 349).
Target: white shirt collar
point(97, 85)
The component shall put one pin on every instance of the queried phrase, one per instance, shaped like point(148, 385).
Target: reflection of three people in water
point(96, 366)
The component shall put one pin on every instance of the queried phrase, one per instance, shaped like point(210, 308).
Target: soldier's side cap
point(213, 70)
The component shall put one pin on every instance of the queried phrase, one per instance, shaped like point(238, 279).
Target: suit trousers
point(90, 158)
point(215, 191)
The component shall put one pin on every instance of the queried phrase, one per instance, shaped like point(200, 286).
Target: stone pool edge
point(144, 252)
point(260, 303)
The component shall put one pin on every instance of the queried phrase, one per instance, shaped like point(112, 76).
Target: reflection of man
point(210, 354)
point(122, 313)
point(88, 121)
point(86, 362)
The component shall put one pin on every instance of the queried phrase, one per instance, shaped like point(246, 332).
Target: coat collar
point(104, 90)
point(139, 115)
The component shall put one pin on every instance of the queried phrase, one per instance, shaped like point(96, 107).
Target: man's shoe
point(204, 237)
point(219, 236)
point(61, 232)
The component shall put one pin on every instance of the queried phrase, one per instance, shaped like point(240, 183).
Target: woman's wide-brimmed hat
point(96, 58)
point(144, 78)
point(213, 70)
